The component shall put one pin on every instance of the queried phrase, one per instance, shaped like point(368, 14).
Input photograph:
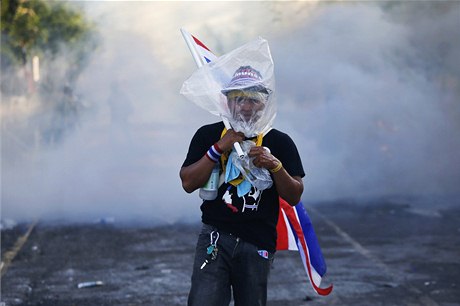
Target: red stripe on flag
point(282, 241)
point(290, 213)
point(200, 43)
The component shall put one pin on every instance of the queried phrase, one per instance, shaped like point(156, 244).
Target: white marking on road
point(9, 255)
point(394, 273)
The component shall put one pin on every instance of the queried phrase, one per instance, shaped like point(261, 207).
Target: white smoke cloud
point(375, 112)
point(361, 88)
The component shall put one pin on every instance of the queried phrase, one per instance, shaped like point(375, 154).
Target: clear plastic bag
point(258, 177)
point(238, 86)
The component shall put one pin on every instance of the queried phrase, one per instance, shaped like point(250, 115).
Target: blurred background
point(93, 125)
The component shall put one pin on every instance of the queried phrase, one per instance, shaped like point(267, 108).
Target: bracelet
point(214, 153)
point(277, 168)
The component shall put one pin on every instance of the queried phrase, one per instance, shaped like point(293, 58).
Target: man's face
point(246, 106)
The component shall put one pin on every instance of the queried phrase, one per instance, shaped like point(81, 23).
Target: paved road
point(381, 252)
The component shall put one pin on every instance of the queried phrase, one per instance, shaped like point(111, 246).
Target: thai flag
point(201, 54)
point(294, 228)
point(295, 231)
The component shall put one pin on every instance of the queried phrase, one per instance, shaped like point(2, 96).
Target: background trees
point(44, 47)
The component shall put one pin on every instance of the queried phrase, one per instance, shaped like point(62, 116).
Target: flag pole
point(199, 60)
point(188, 40)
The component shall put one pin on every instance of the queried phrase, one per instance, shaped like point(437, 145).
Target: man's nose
point(246, 104)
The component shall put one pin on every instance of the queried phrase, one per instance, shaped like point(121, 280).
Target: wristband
point(214, 153)
point(277, 168)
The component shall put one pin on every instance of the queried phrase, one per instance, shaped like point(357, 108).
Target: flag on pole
point(201, 54)
point(295, 231)
point(294, 228)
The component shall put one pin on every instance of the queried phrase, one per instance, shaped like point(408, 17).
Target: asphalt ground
point(379, 252)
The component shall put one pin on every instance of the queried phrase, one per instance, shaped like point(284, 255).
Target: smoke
point(379, 106)
point(369, 93)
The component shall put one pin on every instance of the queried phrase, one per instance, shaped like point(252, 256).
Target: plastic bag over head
point(239, 86)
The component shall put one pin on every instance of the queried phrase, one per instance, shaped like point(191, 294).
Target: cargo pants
point(239, 267)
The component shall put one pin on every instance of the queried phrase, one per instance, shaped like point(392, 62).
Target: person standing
point(237, 242)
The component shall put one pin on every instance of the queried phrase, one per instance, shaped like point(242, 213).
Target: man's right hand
point(226, 142)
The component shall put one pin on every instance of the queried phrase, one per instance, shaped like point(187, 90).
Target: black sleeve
point(286, 151)
point(196, 149)
point(203, 139)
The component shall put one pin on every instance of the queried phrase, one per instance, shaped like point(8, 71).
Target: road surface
point(378, 252)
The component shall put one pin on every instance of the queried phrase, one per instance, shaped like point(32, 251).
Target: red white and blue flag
point(201, 54)
point(295, 231)
point(294, 228)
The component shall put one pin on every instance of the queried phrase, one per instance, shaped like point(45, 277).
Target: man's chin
point(248, 119)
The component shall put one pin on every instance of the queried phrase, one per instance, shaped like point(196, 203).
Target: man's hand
point(263, 158)
point(289, 187)
point(226, 142)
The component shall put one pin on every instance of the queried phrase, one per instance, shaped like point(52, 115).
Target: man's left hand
point(263, 158)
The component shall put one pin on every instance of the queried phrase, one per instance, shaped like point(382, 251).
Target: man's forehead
point(246, 94)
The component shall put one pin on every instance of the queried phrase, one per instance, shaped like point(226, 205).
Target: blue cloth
point(232, 172)
point(243, 188)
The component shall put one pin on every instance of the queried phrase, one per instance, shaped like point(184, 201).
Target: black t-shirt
point(254, 216)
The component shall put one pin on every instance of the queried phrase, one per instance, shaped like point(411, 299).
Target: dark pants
point(238, 266)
